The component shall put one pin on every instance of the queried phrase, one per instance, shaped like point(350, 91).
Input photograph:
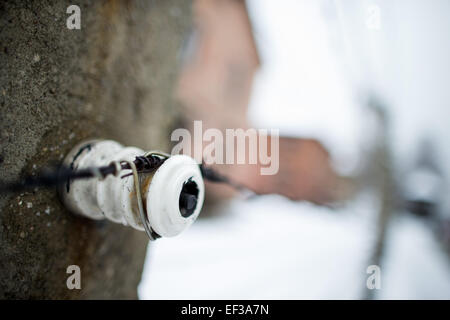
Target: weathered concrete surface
point(112, 79)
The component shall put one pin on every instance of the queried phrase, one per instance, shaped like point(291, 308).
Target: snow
point(266, 248)
point(272, 248)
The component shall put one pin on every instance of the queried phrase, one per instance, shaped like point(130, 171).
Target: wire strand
point(137, 186)
point(149, 162)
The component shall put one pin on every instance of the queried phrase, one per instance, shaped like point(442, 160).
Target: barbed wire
point(57, 176)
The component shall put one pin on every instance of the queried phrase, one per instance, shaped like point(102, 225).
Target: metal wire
point(149, 162)
point(57, 176)
point(137, 186)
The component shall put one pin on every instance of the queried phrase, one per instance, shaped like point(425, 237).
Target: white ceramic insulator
point(115, 198)
point(164, 192)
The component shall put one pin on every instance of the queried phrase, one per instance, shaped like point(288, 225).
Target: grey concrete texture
point(112, 79)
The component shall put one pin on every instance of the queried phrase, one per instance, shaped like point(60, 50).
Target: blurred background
point(359, 92)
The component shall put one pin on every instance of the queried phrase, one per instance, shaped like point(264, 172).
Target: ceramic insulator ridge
point(172, 195)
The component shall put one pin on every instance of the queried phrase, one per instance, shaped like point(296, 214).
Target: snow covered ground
point(265, 248)
point(272, 248)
